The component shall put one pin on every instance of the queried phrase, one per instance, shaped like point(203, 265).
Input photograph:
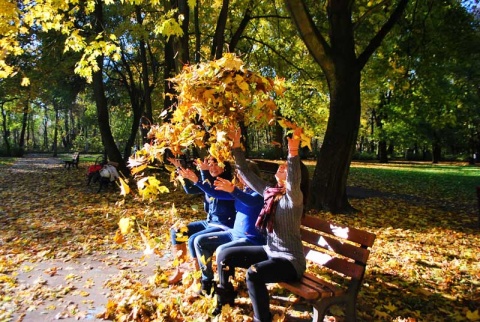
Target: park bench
point(267, 167)
point(102, 172)
point(339, 252)
point(74, 161)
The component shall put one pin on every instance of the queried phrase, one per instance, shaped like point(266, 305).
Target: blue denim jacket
point(219, 211)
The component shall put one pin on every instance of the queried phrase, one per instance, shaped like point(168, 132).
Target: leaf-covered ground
point(61, 256)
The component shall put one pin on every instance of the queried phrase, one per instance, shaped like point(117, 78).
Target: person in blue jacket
point(248, 204)
point(220, 213)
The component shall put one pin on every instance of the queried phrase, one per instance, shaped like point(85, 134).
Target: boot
point(225, 295)
point(207, 288)
point(180, 252)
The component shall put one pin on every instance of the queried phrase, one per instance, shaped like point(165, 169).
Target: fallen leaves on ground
point(424, 264)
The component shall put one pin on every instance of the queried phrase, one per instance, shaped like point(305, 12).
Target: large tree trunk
point(5, 131)
point(329, 179)
point(336, 56)
point(111, 148)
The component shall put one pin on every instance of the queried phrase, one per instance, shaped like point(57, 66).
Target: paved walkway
point(69, 289)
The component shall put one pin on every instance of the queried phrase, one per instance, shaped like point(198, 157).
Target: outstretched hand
point(176, 163)
point(188, 174)
point(224, 185)
point(294, 142)
point(201, 165)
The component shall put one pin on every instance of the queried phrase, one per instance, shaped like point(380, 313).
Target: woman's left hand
point(294, 142)
point(224, 185)
point(188, 174)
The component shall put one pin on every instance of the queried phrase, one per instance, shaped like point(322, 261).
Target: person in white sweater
point(282, 258)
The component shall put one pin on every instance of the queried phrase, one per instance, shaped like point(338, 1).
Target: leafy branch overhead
point(211, 97)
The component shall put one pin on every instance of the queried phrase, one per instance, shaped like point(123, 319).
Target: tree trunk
point(45, 129)
point(382, 151)
point(111, 148)
point(21, 143)
point(5, 131)
point(55, 132)
point(437, 153)
point(336, 56)
point(219, 37)
point(329, 179)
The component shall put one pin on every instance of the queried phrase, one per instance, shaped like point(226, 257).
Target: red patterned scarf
point(266, 217)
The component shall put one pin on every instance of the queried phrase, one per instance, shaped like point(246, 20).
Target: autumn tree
point(341, 55)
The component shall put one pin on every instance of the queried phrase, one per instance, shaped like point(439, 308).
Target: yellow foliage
point(473, 316)
point(124, 187)
point(126, 225)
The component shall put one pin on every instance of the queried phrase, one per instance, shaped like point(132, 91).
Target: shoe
point(207, 288)
point(225, 295)
point(176, 277)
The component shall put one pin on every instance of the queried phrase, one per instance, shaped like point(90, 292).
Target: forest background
point(371, 79)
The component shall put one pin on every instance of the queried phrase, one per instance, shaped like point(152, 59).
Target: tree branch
point(381, 34)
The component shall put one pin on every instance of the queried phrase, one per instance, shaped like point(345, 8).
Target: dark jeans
point(195, 229)
point(261, 270)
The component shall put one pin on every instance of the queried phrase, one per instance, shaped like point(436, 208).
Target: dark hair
point(227, 173)
point(305, 185)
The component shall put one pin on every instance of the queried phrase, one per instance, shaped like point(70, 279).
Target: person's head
point(216, 170)
point(281, 176)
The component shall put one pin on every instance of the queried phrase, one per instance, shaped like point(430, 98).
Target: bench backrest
point(339, 248)
point(267, 166)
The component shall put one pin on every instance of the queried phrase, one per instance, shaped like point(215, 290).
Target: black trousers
point(261, 270)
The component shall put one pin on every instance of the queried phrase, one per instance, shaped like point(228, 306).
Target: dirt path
point(53, 281)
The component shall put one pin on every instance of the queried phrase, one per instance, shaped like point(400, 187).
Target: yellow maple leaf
point(124, 188)
point(118, 238)
point(473, 316)
point(390, 307)
point(126, 225)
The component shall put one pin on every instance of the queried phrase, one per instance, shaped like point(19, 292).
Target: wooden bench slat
point(342, 251)
point(311, 287)
point(334, 245)
point(361, 237)
point(340, 265)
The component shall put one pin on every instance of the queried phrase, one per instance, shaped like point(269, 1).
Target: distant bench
point(74, 161)
point(339, 252)
point(267, 167)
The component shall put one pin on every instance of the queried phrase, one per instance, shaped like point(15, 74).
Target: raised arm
point(294, 175)
point(250, 178)
point(249, 200)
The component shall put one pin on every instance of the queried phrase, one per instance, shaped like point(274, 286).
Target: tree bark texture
point(108, 141)
point(342, 69)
